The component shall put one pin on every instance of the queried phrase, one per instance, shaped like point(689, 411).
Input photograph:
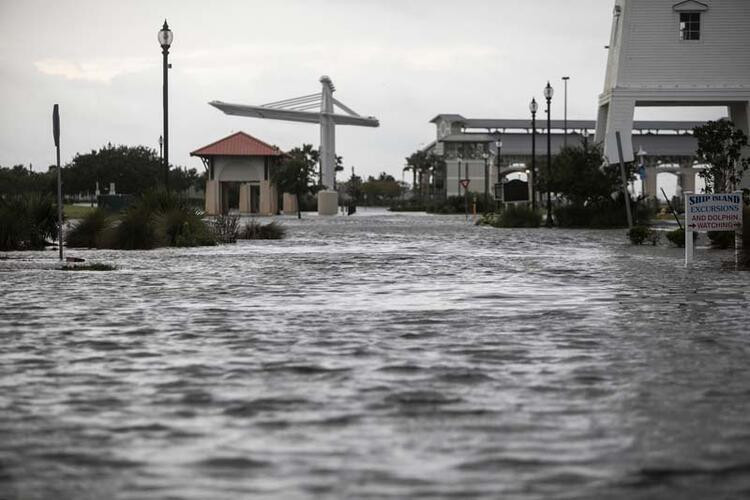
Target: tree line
point(133, 169)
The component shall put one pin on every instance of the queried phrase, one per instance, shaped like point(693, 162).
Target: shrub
point(158, 218)
point(95, 266)
point(135, 231)
point(513, 216)
point(677, 237)
point(641, 234)
point(27, 221)
point(721, 239)
point(182, 226)
point(88, 231)
point(226, 228)
point(254, 230)
point(600, 215)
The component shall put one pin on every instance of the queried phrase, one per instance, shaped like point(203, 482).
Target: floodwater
point(380, 356)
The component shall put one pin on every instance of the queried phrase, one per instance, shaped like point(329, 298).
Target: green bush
point(641, 234)
point(449, 205)
point(89, 231)
point(27, 221)
point(600, 215)
point(513, 216)
point(721, 239)
point(183, 227)
point(136, 231)
point(254, 230)
point(677, 237)
point(226, 228)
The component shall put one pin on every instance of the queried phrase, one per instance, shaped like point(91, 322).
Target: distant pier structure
point(314, 108)
point(674, 53)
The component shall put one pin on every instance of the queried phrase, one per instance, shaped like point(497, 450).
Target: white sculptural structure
point(299, 109)
point(674, 53)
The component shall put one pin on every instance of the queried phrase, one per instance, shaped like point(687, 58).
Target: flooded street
point(377, 356)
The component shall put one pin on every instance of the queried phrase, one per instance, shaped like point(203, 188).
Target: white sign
point(713, 212)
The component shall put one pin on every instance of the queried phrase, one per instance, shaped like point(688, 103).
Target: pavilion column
point(245, 205)
point(739, 114)
point(213, 198)
point(687, 175)
point(616, 116)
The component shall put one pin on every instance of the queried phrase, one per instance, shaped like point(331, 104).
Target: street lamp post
point(486, 156)
point(565, 112)
point(533, 107)
point(499, 148)
point(548, 92)
point(165, 40)
point(458, 174)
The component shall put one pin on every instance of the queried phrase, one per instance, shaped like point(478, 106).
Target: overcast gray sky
point(401, 61)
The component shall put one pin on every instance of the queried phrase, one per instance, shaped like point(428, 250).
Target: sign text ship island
point(714, 211)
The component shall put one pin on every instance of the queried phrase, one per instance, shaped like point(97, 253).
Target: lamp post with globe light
point(165, 37)
point(548, 93)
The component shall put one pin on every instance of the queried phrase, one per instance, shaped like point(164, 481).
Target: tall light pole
point(165, 40)
point(486, 157)
point(499, 148)
point(458, 157)
point(548, 92)
point(533, 107)
point(565, 112)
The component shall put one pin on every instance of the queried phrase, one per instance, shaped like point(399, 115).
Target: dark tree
point(720, 145)
point(297, 173)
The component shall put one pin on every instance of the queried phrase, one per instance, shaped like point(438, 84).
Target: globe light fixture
point(165, 38)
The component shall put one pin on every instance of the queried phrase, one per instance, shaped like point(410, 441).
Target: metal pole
point(486, 183)
point(549, 164)
point(466, 190)
point(565, 112)
point(533, 161)
point(624, 181)
point(688, 230)
point(165, 52)
point(56, 137)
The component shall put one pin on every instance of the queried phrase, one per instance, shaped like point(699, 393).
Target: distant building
point(674, 53)
point(239, 175)
point(463, 143)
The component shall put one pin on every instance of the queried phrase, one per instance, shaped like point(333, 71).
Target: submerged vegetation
point(513, 216)
point(254, 230)
point(156, 219)
point(27, 221)
point(639, 235)
point(94, 266)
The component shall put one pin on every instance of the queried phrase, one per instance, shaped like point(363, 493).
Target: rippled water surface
point(381, 356)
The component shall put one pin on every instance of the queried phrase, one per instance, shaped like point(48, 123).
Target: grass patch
point(76, 211)
point(94, 266)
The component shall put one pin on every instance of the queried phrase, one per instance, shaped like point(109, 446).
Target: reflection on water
point(397, 356)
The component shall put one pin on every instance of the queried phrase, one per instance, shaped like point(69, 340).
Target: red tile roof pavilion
point(238, 144)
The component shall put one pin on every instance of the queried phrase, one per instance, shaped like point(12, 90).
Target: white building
point(674, 53)
point(239, 178)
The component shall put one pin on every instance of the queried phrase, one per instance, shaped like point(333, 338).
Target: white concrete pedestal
point(328, 202)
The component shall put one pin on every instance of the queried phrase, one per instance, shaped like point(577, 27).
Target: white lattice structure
point(674, 53)
point(301, 109)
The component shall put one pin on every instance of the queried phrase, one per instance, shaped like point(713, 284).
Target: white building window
point(690, 26)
